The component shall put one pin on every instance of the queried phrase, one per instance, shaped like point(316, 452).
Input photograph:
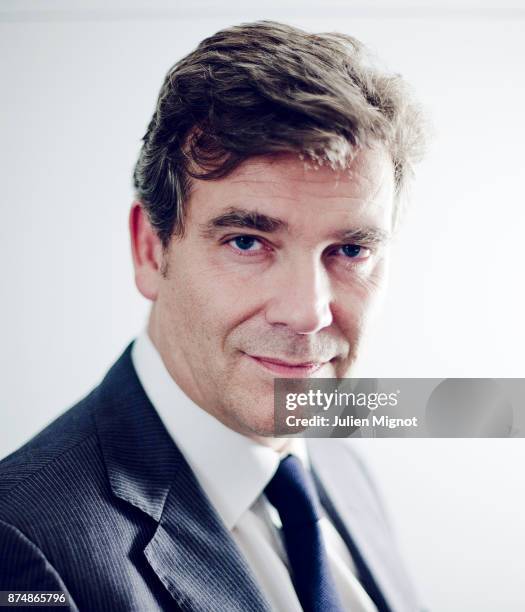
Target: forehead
point(302, 193)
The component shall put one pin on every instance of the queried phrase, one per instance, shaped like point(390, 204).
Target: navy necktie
point(292, 492)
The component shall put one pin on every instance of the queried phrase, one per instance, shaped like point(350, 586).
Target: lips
point(287, 369)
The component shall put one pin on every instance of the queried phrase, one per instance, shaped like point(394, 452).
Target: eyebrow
point(242, 219)
point(365, 235)
point(250, 219)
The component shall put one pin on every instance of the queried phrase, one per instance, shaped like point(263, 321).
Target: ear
point(147, 252)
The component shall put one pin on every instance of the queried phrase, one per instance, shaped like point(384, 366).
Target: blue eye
point(355, 250)
point(246, 243)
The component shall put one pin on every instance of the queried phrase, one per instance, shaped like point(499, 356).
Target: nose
point(302, 299)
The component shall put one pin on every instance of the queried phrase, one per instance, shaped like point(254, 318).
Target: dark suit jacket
point(103, 506)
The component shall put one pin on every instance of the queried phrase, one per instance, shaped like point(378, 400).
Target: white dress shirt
point(233, 471)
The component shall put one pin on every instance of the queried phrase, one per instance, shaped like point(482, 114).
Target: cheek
point(208, 300)
point(378, 288)
point(357, 299)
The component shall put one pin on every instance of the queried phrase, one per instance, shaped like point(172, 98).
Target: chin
point(260, 424)
point(258, 419)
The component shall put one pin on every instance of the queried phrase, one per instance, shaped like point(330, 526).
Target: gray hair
point(265, 88)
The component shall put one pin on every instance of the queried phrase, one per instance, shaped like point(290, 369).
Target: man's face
point(275, 276)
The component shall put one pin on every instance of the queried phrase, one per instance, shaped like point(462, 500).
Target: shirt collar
point(232, 469)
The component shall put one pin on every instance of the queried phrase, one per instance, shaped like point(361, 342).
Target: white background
point(79, 82)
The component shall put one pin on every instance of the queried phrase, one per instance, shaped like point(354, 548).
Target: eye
point(245, 243)
point(355, 251)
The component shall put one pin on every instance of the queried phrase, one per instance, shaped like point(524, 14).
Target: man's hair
point(266, 88)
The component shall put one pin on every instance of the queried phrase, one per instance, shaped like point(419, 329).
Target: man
point(267, 189)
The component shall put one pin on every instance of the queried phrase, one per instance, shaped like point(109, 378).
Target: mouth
point(287, 369)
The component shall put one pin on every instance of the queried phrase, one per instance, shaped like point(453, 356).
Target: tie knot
point(292, 492)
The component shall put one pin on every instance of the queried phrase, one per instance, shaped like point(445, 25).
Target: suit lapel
point(191, 551)
point(352, 503)
point(195, 557)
